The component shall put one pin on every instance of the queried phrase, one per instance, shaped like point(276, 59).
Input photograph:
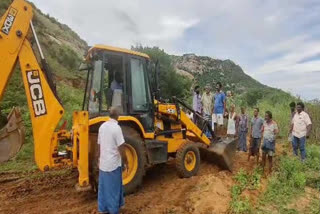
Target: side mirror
point(84, 66)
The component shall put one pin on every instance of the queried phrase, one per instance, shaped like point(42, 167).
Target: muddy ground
point(162, 191)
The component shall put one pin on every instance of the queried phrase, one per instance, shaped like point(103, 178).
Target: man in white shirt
point(111, 141)
point(300, 128)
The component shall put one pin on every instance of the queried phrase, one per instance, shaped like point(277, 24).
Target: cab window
point(139, 83)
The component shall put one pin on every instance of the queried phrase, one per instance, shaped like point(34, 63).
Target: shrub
point(288, 180)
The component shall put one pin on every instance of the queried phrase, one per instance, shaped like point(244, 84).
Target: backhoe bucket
point(221, 152)
point(12, 136)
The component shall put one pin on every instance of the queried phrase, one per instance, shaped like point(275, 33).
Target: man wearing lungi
point(111, 141)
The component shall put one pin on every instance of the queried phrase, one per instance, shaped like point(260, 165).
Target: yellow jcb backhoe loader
point(154, 131)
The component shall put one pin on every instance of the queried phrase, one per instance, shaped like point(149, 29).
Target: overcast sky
point(276, 42)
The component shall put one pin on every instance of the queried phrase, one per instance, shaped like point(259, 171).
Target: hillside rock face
point(205, 70)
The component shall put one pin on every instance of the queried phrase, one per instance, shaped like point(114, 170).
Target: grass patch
point(314, 207)
point(289, 181)
point(239, 203)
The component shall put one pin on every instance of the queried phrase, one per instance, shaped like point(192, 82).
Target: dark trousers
point(299, 143)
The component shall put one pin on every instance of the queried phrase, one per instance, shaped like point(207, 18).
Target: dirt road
point(162, 192)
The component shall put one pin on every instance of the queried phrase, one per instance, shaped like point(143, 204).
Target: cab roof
point(115, 49)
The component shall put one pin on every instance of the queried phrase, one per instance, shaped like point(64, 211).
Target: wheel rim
point(132, 157)
point(190, 160)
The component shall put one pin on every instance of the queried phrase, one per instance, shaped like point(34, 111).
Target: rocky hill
point(205, 70)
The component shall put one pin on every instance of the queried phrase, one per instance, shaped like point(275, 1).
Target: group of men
point(211, 106)
point(216, 107)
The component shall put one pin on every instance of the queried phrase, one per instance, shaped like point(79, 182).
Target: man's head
point(229, 94)
point(300, 107)
point(292, 106)
point(114, 113)
point(197, 89)
point(268, 116)
point(256, 111)
point(218, 86)
point(208, 89)
point(243, 110)
point(118, 76)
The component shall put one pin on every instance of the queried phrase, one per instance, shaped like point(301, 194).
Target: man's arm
point(121, 147)
point(291, 128)
point(276, 130)
point(309, 125)
point(309, 128)
point(224, 103)
point(122, 152)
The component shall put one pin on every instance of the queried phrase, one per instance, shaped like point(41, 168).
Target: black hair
point(196, 87)
point(257, 109)
point(292, 104)
point(269, 114)
point(300, 104)
point(220, 84)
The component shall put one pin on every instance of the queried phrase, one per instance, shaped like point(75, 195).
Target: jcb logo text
point(8, 22)
point(36, 93)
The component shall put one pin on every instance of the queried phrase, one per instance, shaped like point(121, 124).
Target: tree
point(170, 82)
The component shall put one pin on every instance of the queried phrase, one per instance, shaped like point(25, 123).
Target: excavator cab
point(118, 78)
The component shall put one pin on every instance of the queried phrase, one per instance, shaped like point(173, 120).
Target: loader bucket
point(221, 152)
point(12, 136)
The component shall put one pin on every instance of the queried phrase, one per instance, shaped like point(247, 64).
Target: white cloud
point(172, 28)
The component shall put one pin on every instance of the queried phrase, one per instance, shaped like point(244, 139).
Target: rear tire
point(135, 146)
point(132, 179)
point(188, 160)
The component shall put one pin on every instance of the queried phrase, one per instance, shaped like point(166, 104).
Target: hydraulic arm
point(45, 108)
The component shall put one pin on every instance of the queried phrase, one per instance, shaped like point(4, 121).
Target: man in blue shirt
point(219, 107)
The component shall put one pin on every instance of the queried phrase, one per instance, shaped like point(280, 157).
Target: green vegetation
point(245, 181)
point(289, 181)
point(285, 186)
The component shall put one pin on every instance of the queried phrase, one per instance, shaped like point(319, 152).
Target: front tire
point(188, 160)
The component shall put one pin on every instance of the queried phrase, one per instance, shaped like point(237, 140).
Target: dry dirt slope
point(162, 192)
